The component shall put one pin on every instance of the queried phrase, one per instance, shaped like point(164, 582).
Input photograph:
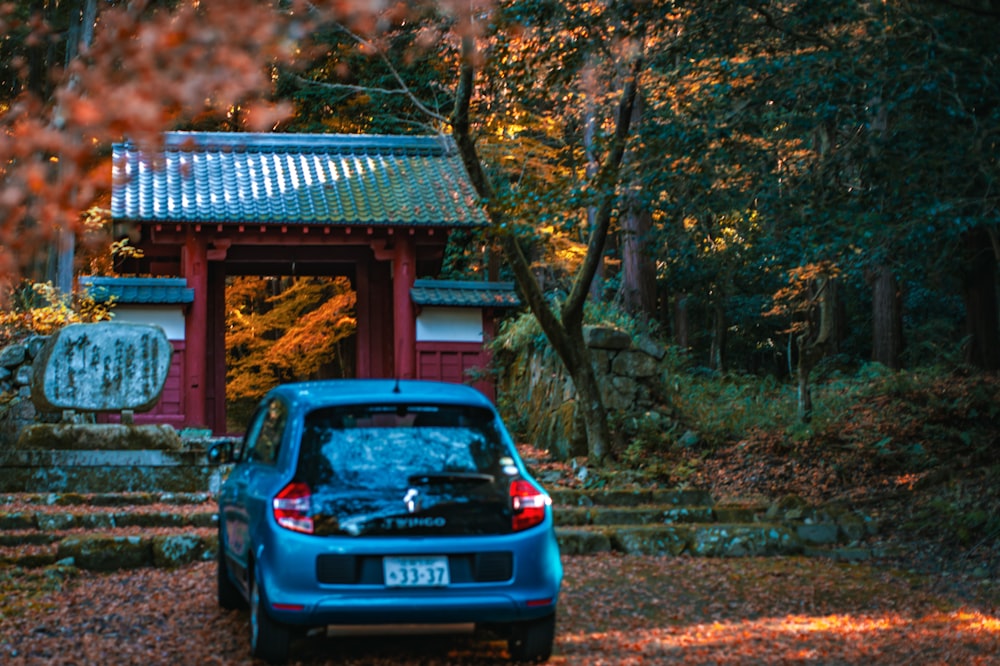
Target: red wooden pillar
point(194, 268)
point(363, 313)
point(404, 320)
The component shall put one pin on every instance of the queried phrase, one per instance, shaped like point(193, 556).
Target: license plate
point(415, 571)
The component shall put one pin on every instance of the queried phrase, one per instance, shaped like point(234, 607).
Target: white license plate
point(415, 571)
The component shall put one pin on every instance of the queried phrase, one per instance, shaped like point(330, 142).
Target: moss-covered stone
point(650, 540)
point(620, 498)
point(727, 540)
point(174, 478)
point(817, 533)
point(625, 516)
point(736, 514)
point(852, 527)
point(155, 519)
point(106, 553)
point(178, 549)
point(685, 497)
point(582, 542)
point(19, 520)
point(572, 516)
point(27, 539)
point(123, 499)
point(35, 560)
point(98, 437)
point(203, 519)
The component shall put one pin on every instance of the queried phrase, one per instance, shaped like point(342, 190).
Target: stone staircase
point(107, 531)
point(63, 520)
point(107, 509)
point(689, 522)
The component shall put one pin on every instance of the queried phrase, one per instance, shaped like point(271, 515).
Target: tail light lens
point(291, 507)
point(528, 504)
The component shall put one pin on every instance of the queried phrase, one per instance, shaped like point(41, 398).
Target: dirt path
point(615, 610)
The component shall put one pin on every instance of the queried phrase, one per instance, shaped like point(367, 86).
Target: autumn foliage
point(39, 309)
point(281, 330)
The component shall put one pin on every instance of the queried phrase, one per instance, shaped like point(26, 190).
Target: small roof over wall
point(295, 179)
point(136, 290)
point(464, 294)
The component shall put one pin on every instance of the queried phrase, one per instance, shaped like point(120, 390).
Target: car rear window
point(385, 446)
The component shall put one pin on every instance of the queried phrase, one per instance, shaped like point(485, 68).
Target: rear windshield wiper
point(433, 478)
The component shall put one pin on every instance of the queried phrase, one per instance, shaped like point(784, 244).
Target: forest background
point(791, 195)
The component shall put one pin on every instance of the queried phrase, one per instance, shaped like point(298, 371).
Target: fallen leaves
point(615, 610)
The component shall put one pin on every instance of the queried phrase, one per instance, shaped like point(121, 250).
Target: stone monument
point(86, 369)
point(101, 367)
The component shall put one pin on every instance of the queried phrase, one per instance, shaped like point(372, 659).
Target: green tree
point(851, 133)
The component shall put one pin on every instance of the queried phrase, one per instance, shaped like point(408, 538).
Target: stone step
point(54, 521)
point(105, 531)
point(630, 498)
point(130, 547)
point(108, 499)
point(62, 471)
point(645, 515)
point(96, 530)
point(700, 540)
point(113, 549)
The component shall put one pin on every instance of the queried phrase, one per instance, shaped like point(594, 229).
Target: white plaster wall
point(170, 318)
point(437, 324)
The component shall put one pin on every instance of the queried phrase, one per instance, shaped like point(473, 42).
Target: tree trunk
point(590, 151)
point(638, 278)
point(887, 318)
point(979, 273)
point(717, 355)
point(804, 392)
point(814, 341)
point(564, 332)
point(681, 321)
point(80, 36)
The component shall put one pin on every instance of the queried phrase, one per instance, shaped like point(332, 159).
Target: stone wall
point(541, 401)
point(16, 372)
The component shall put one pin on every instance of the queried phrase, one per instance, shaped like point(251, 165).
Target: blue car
point(382, 502)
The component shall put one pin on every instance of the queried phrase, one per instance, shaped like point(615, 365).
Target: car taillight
point(291, 507)
point(528, 503)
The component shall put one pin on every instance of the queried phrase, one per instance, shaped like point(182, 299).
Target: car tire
point(269, 640)
point(531, 641)
point(229, 596)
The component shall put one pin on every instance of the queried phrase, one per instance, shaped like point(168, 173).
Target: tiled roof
point(328, 179)
point(131, 290)
point(465, 294)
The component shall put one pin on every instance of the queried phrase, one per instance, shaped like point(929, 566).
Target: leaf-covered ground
point(917, 452)
point(615, 610)
point(922, 461)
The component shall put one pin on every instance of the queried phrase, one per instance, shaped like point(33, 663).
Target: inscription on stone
point(102, 367)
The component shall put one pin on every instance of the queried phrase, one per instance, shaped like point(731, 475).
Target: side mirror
point(225, 451)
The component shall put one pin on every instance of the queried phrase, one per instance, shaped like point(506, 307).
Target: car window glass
point(267, 429)
point(378, 447)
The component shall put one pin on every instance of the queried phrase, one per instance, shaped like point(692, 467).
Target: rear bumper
point(288, 573)
point(406, 609)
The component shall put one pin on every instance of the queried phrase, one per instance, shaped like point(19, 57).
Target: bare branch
point(403, 89)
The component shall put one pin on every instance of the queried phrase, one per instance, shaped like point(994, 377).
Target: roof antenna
point(395, 389)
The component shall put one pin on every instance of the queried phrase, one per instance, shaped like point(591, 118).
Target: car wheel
point(531, 641)
point(269, 640)
point(229, 595)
